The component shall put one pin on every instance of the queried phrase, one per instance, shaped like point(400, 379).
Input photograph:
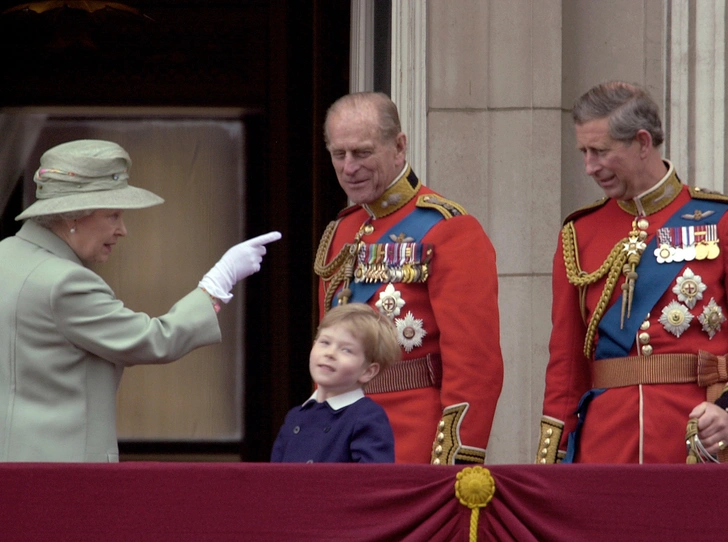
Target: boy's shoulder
point(367, 405)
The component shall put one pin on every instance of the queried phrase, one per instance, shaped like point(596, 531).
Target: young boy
point(338, 424)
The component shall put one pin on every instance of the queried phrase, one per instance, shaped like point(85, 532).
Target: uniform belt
point(409, 374)
point(706, 369)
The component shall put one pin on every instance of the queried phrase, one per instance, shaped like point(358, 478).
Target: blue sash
point(416, 224)
point(615, 342)
point(572, 445)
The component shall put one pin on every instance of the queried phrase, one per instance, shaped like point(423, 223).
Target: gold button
point(549, 432)
point(546, 441)
point(544, 451)
point(644, 338)
point(645, 325)
point(440, 437)
point(438, 450)
point(643, 224)
point(368, 229)
point(436, 461)
point(542, 461)
point(441, 425)
point(647, 350)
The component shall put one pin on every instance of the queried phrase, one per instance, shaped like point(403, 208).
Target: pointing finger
point(265, 238)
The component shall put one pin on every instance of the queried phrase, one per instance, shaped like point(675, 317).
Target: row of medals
point(671, 249)
point(384, 273)
point(393, 262)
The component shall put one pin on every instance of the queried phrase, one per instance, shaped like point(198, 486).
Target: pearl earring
point(73, 230)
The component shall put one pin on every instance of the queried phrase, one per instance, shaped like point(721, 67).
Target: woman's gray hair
point(629, 107)
point(47, 221)
point(387, 114)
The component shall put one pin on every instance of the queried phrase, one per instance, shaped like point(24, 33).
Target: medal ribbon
point(416, 224)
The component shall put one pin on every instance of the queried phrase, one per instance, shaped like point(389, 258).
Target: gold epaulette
point(581, 211)
point(446, 207)
point(704, 193)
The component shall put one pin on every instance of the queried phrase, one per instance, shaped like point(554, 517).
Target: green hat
point(83, 175)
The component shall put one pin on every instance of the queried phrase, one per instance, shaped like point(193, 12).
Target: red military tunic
point(441, 398)
point(634, 423)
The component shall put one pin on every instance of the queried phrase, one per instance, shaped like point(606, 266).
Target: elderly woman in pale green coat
point(64, 337)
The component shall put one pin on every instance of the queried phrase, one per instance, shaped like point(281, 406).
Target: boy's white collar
point(337, 402)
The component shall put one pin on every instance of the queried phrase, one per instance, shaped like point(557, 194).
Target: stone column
point(494, 145)
point(695, 74)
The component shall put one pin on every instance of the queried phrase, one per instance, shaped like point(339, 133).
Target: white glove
point(240, 261)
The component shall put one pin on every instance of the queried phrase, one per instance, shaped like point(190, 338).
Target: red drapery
point(337, 502)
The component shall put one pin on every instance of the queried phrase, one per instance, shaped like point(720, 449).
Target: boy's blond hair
point(376, 332)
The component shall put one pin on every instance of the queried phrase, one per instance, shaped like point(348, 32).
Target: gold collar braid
point(396, 196)
point(656, 198)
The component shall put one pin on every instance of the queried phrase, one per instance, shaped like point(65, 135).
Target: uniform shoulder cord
point(612, 267)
